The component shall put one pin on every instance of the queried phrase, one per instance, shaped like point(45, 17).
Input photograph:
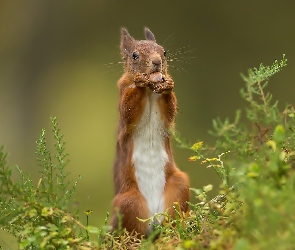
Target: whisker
point(175, 53)
point(111, 65)
point(173, 67)
point(170, 36)
point(179, 56)
point(176, 68)
point(178, 60)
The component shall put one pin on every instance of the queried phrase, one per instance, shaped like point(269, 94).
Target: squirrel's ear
point(126, 41)
point(149, 35)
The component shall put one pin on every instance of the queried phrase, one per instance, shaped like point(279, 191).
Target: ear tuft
point(149, 35)
point(124, 32)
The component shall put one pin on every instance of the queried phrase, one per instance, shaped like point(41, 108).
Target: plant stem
point(87, 235)
point(262, 97)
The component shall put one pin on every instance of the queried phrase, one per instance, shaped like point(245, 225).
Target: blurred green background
point(60, 58)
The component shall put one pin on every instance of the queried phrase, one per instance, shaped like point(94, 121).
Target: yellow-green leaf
point(47, 211)
point(66, 231)
point(252, 174)
point(208, 188)
point(87, 212)
point(197, 146)
point(279, 133)
point(93, 230)
point(33, 213)
point(194, 158)
point(272, 144)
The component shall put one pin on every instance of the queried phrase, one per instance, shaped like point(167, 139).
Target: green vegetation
point(254, 209)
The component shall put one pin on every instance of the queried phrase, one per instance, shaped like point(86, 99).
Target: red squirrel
point(146, 178)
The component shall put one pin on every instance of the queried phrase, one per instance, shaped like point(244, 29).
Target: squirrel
point(146, 178)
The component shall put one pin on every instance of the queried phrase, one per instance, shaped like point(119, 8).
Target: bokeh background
point(61, 58)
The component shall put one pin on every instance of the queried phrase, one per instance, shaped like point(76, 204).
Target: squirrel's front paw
point(161, 88)
point(141, 80)
point(159, 84)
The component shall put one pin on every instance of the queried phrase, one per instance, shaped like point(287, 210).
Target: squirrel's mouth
point(156, 70)
point(155, 67)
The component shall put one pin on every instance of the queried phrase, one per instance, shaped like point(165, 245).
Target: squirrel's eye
point(165, 53)
point(135, 55)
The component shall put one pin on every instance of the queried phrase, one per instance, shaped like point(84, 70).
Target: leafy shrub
point(36, 215)
point(254, 210)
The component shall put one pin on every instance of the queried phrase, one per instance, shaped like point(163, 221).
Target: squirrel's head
point(143, 56)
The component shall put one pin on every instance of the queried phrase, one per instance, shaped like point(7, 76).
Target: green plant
point(36, 214)
point(254, 208)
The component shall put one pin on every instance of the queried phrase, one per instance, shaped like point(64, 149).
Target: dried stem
point(262, 97)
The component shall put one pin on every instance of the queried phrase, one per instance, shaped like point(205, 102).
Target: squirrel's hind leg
point(131, 205)
point(176, 190)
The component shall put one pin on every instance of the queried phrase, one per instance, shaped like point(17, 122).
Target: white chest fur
point(149, 155)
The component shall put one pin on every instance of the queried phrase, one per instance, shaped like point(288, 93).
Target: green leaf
point(196, 191)
point(33, 213)
point(208, 188)
point(252, 174)
point(66, 231)
point(24, 243)
point(93, 230)
point(279, 133)
point(65, 219)
point(52, 227)
point(242, 244)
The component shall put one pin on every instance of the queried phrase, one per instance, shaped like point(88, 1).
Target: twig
point(71, 218)
point(262, 97)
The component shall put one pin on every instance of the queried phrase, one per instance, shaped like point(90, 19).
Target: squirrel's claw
point(161, 88)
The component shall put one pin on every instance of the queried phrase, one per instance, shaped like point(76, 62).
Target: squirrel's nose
point(156, 61)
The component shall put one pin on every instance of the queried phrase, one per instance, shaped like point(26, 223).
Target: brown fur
point(135, 87)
